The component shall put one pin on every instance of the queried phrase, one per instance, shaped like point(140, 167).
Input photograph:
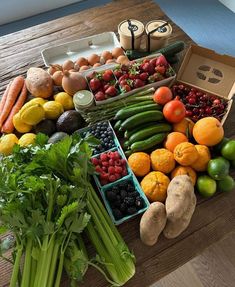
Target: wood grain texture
point(21, 50)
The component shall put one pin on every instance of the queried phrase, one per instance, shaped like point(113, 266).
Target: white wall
point(229, 3)
point(12, 10)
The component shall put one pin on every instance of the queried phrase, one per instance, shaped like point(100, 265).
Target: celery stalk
point(27, 264)
point(16, 268)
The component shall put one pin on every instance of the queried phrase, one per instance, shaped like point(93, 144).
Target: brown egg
point(80, 62)
point(122, 60)
point(68, 65)
point(116, 52)
point(110, 61)
point(84, 68)
point(57, 78)
point(53, 68)
point(93, 59)
point(96, 65)
point(106, 55)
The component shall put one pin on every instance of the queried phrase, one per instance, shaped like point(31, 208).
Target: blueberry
point(131, 210)
point(111, 196)
point(139, 203)
point(123, 193)
point(110, 145)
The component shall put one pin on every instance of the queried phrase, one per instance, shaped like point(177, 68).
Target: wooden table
point(213, 219)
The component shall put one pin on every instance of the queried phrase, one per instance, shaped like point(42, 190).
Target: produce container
point(80, 48)
point(165, 82)
point(130, 33)
point(157, 37)
point(209, 72)
point(128, 180)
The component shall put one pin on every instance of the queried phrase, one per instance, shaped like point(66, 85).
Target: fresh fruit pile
point(140, 73)
point(199, 104)
point(104, 133)
point(103, 85)
point(110, 166)
point(124, 199)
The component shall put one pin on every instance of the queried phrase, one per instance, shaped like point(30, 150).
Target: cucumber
point(117, 125)
point(128, 153)
point(126, 144)
point(150, 131)
point(172, 59)
point(148, 143)
point(129, 133)
point(126, 113)
point(169, 50)
point(141, 118)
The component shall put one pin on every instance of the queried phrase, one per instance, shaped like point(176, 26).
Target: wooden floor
point(215, 267)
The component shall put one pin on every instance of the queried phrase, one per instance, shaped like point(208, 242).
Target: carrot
point(8, 126)
point(13, 92)
point(4, 97)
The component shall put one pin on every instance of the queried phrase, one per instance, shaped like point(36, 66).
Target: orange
point(173, 139)
point(185, 153)
point(162, 160)
point(204, 156)
point(139, 162)
point(154, 185)
point(185, 127)
point(180, 170)
point(208, 131)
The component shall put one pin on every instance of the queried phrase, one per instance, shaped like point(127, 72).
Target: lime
point(206, 186)
point(226, 184)
point(228, 150)
point(218, 168)
point(217, 148)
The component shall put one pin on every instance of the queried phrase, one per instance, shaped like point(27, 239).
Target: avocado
point(57, 137)
point(47, 127)
point(69, 122)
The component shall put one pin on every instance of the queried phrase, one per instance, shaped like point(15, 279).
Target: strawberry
point(100, 96)
point(111, 91)
point(107, 75)
point(95, 84)
point(160, 69)
point(161, 60)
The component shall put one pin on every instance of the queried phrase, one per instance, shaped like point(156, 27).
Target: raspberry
point(104, 168)
point(111, 162)
point(104, 157)
point(104, 176)
point(123, 161)
point(118, 169)
point(95, 161)
point(118, 162)
point(111, 169)
point(118, 176)
point(117, 155)
point(98, 169)
point(124, 172)
point(112, 155)
point(112, 177)
point(105, 163)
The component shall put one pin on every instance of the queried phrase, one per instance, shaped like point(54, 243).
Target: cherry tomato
point(174, 111)
point(162, 95)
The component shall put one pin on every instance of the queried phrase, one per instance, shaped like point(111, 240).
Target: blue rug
point(208, 22)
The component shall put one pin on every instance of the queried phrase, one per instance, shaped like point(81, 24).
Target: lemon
point(7, 142)
point(19, 125)
point(53, 110)
point(27, 139)
point(65, 100)
point(37, 101)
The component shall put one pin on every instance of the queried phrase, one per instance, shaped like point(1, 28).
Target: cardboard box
point(209, 72)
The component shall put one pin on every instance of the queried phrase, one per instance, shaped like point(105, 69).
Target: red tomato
point(174, 111)
point(162, 95)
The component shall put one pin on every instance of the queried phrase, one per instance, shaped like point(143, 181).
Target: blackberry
point(111, 195)
point(131, 210)
point(130, 201)
point(117, 203)
point(117, 213)
point(115, 189)
point(123, 193)
point(123, 207)
point(130, 187)
point(139, 203)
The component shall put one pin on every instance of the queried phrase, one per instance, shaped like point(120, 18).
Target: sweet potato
point(180, 205)
point(39, 83)
point(152, 223)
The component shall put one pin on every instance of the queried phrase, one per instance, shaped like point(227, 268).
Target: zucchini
point(141, 118)
point(168, 51)
point(148, 143)
point(117, 125)
point(126, 113)
point(149, 131)
point(129, 133)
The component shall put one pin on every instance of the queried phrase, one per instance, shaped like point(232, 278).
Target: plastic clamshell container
point(84, 47)
point(209, 72)
point(164, 82)
point(130, 178)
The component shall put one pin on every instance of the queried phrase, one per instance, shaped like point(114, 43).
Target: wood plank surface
point(213, 218)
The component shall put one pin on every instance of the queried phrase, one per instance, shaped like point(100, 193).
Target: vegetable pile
point(47, 201)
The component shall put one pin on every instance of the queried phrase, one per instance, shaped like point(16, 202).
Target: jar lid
point(83, 98)
point(162, 32)
point(136, 26)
